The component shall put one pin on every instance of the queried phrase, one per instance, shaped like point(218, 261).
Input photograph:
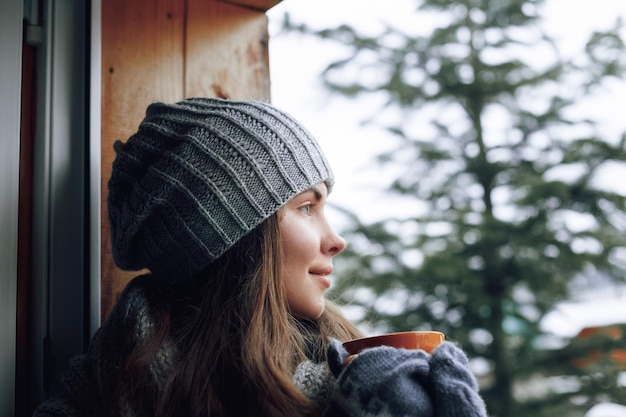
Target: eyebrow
point(316, 192)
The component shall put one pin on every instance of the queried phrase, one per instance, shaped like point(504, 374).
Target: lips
point(322, 271)
point(322, 274)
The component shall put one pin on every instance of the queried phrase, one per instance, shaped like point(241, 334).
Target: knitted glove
point(381, 381)
point(455, 390)
point(399, 382)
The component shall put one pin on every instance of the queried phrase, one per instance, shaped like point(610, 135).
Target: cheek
point(296, 251)
point(298, 242)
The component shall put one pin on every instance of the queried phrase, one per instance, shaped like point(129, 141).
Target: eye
point(306, 208)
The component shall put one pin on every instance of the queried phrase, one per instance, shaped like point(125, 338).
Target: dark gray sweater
point(380, 382)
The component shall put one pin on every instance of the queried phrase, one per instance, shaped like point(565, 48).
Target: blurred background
point(479, 153)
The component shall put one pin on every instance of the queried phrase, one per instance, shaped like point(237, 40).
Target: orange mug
point(425, 340)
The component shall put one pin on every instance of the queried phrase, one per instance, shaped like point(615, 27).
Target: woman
point(223, 202)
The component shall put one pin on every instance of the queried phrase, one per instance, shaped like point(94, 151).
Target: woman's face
point(308, 245)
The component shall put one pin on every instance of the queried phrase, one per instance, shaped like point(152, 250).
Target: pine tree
point(508, 180)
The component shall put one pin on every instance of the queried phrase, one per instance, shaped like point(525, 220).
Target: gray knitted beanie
point(200, 174)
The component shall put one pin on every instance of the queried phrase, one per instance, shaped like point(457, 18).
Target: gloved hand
point(454, 388)
point(385, 381)
point(380, 381)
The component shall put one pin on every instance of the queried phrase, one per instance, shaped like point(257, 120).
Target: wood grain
point(227, 53)
point(142, 62)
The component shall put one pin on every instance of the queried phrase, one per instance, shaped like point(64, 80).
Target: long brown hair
point(237, 345)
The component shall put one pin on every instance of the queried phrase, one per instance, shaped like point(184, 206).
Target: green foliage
point(504, 232)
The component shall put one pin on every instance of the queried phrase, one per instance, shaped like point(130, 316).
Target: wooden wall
point(167, 50)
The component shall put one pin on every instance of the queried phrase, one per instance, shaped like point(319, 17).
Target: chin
point(318, 313)
point(317, 316)
point(312, 313)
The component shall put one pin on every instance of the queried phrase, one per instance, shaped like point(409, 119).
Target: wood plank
point(142, 61)
point(227, 51)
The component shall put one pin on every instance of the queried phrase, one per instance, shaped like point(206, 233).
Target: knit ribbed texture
point(315, 381)
point(200, 174)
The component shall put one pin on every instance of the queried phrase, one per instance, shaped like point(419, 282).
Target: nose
point(333, 244)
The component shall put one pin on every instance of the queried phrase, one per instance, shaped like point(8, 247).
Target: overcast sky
point(297, 61)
